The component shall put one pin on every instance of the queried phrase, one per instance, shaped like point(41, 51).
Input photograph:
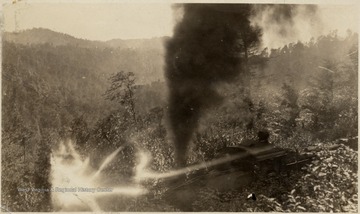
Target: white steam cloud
point(302, 22)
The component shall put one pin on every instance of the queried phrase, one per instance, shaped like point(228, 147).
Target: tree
point(249, 41)
point(318, 98)
point(42, 173)
point(80, 130)
point(122, 91)
point(290, 107)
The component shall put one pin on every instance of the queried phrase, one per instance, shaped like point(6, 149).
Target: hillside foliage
point(304, 94)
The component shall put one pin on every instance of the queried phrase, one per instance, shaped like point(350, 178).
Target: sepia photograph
point(179, 106)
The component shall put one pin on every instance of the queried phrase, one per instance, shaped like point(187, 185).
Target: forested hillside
point(56, 87)
point(144, 57)
point(52, 82)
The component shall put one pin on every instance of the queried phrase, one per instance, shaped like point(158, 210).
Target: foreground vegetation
point(304, 94)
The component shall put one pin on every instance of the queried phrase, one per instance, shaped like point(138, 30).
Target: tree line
point(302, 93)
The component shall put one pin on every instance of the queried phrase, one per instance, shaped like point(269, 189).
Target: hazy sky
point(95, 21)
point(105, 21)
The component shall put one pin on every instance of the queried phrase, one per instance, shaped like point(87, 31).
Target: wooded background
point(106, 94)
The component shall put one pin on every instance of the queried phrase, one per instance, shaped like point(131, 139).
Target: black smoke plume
point(209, 46)
point(204, 51)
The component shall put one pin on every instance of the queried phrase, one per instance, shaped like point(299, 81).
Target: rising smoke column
point(206, 49)
point(203, 52)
